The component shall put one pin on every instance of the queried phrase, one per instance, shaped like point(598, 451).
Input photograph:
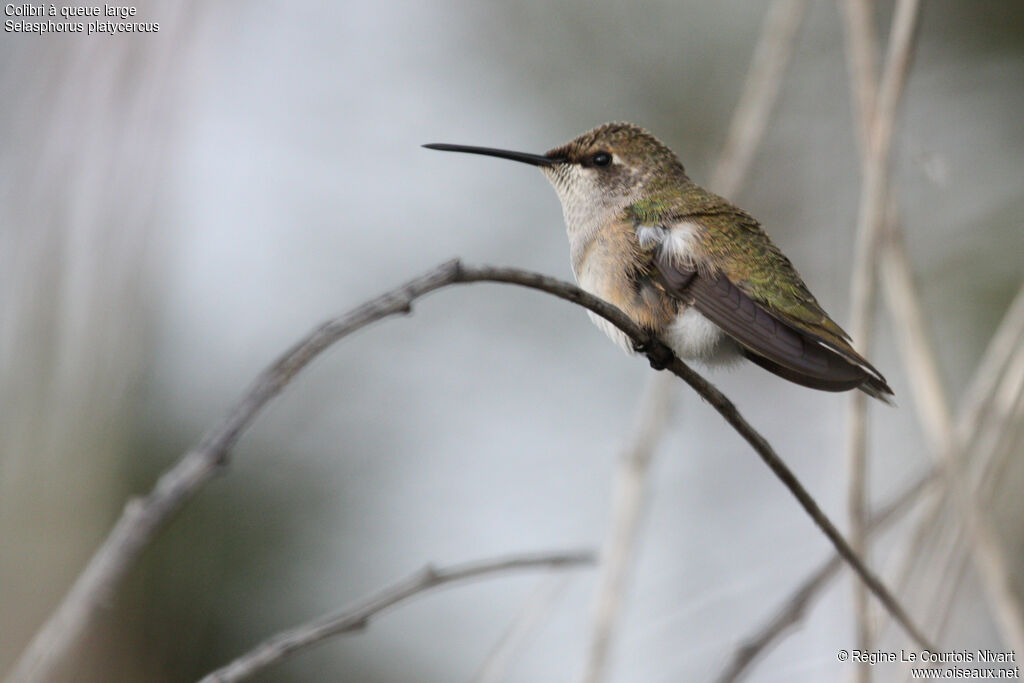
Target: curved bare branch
point(286, 643)
point(144, 517)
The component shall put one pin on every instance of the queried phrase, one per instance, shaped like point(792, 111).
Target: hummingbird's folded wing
point(715, 255)
point(781, 348)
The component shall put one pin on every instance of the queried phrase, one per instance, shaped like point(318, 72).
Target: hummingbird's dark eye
point(601, 159)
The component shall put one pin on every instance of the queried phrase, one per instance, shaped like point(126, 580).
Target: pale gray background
point(178, 208)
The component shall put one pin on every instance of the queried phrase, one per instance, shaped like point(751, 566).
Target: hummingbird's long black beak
point(526, 158)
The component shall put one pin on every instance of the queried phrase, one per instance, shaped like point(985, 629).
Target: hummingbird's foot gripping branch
point(658, 354)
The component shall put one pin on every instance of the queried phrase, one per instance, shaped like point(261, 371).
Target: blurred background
point(177, 208)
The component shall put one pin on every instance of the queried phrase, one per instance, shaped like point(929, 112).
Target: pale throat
point(586, 210)
point(587, 214)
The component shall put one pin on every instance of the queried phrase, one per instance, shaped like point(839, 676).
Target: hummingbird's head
point(601, 171)
point(612, 166)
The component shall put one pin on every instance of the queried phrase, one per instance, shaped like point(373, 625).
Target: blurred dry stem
point(948, 551)
point(998, 380)
point(981, 392)
point(87, 133)
point(143, 518)
point(750, 118)
point(531, 617)
point(630, 495)
point(861, 61)
point(881, 240)
point(760, 92)
point(977, 434)
point(90, 318)
point(287, 643)
point(876, 118)
point(917, 352)
point(986, 549)
point(916, 348)
point(795, 607)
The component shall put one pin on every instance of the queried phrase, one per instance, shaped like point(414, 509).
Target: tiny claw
point(657, 353)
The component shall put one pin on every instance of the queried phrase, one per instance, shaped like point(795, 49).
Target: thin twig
point(917, 352)
point(941, 595)
point(934, 522)
point(985, 389)
point(779, 468)
point(987, 550)
point(661, 357)
point(1008, 337)
point(795, 607)
point(631, 483)
point(861, 62)
point(983, 544)
point(981, 422)
point(286, 643)
point(1009, 428)
point(934, 544)
point(531, 617)
point(876, 122)
point(143, 518)
point(861, 48)
point(757, 99)
point(947, 600)
point(760, 90)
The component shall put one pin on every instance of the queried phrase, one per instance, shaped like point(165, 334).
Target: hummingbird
point(688, 267)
